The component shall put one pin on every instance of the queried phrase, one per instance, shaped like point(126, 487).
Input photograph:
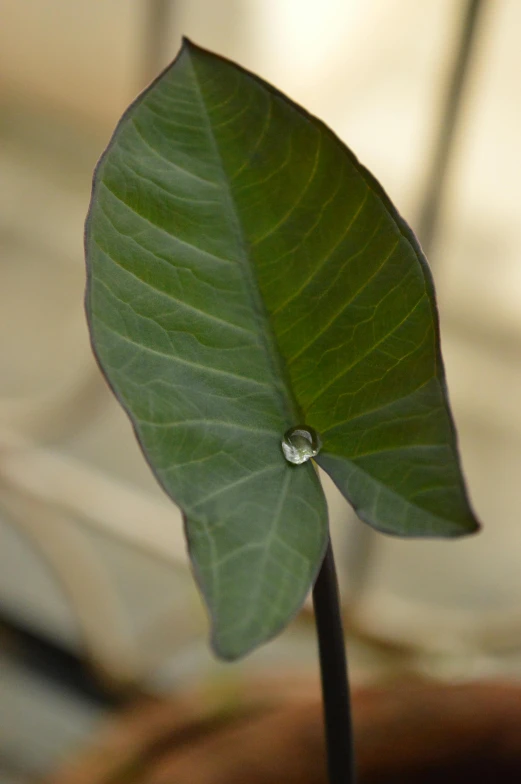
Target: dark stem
point(450, 114)
point(333, 670)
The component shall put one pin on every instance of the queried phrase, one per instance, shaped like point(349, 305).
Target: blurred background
point(96, 599)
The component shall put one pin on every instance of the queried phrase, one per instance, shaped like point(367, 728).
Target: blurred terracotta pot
point(271, 731)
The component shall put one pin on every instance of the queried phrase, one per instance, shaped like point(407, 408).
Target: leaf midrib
point(266, 334)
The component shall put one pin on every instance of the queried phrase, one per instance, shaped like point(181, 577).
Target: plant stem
point(333, 670)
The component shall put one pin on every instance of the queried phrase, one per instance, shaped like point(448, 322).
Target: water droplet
point(300, 443)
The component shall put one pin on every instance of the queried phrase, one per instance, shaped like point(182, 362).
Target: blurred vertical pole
point(447, 125)
point(362, 541)
point(157, 26)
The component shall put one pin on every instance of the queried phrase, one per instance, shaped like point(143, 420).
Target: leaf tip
point(226, 652)
point(188, 47)
point(467, 525)
point(186, 43)
point(475, 526)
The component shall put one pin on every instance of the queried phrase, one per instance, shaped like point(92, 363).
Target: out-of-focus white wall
point(375, 71)
point(78, 57)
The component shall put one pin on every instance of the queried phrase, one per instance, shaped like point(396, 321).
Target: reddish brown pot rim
point(271, 731)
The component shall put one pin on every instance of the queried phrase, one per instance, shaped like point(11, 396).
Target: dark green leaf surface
point(246, 275)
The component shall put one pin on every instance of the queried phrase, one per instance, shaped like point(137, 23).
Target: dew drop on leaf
point(300, 443)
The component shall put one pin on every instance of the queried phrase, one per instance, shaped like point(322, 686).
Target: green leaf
point(247, 275)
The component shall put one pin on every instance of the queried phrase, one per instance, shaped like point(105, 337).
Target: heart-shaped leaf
point(247, 275)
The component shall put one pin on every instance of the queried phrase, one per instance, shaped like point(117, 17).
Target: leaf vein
point(369, 352)
point(233, 485)
point(161, 229)
point(296, 203)
point(181, 303)
point(168, 161)
point(182, 361)
point(344, 307)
